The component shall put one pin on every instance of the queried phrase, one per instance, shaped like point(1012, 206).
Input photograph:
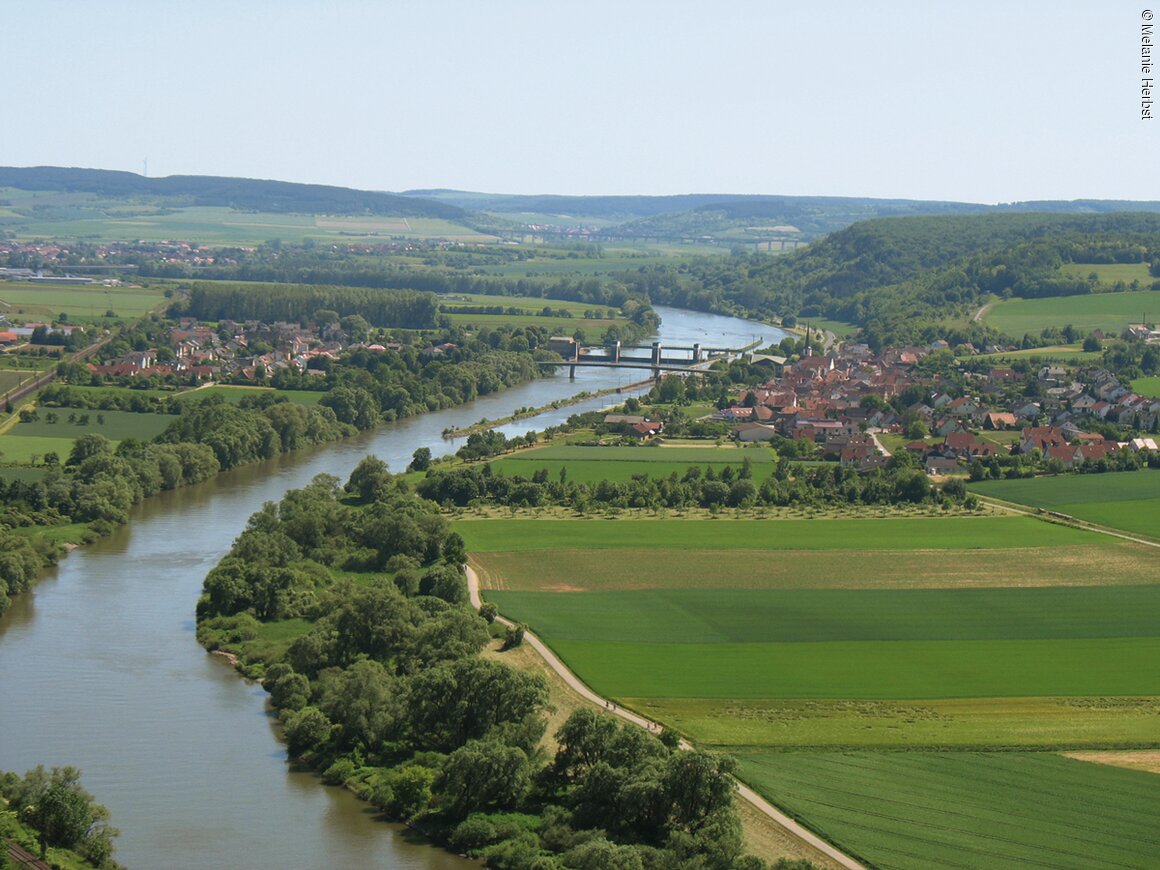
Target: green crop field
point(593, 464)
point(1108, 274)
point(1110, 312)
point(1127, 500)
point(213, 225)
point(235, 394)
point(920, 533)
point(25, 441)
point(1100, 562)
point(21, 300)
point(995, 810)
point(1147, 387)
point(749, 724)
point(690, 455)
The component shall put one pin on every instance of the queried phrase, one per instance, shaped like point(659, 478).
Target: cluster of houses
point(201, 353)
point(820, 399)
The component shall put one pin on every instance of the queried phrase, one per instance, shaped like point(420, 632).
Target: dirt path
point(1068, 521)
point(982, 312)
point(761, 804)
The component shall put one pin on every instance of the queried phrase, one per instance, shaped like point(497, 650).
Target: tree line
point(385, 691)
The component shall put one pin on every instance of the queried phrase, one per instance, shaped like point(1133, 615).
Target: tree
point(63, 813)
point(370, 479)
point(88, 445)
point(484, 775)
point(420, 459)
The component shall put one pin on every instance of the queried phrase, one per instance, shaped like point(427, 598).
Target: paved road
point(574, 682)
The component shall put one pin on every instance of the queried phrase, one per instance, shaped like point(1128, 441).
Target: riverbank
point(528, 413)
point(116, 615)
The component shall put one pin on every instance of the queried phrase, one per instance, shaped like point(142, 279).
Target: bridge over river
point(657, 357)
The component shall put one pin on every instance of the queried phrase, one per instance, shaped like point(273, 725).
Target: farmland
point(1147, 387)
point(1127, 500)
point(22, 300)
point(1110, 312)
point(524, 312)
point(798, 645)
point(1110, 274)
point(1015, 810)
point(88, 219)
point(592, 464)
point(26, 440)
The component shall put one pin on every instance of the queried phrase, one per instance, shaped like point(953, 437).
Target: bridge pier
point(572, 372)
point(614, 351)
point(696, 353)
point(656, 353)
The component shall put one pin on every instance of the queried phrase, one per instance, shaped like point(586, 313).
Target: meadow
point(1129, 501)
point(995, 810)
point(21, 300)
point(235, 394)
point(1147, 387)
point(889, 534)
point(1110, 312)
point(213, 225)
point(593, 464)
point(838, 636)
point(24, 441)
point(1109, 274)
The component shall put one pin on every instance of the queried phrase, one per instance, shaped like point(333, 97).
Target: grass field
point(1124, 500)
point(1147, 387)
point(890, 534)
point(1110, 312)
point(23, 300)
point(749, 724)
point(212, 225)
point(593, 464)
point(995, 810)
point(12, 378)
point(24, 441)
point(235, 394)
point(1108, 274)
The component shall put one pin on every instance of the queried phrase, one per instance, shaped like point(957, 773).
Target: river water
point(100, 668)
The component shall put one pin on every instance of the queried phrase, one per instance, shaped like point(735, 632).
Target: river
point(100, 668)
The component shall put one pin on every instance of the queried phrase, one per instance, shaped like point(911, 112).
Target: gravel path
point(574, 682)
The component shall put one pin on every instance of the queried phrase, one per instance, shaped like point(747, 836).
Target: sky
point(980, 102)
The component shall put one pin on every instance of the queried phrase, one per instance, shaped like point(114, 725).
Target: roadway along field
point(761, 637)
point(995, 810)
point(1128, 500)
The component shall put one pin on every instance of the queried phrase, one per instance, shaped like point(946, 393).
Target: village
point(844, 400)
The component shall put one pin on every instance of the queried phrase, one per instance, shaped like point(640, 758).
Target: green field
point(767, 638)
point(234, 394)
point(1108, 274)
point(21, 300)
point(593, 464)
point(1127, 500)
point(24, 441)
point(893, 534)
point(749, 724)
point(1147, 387)
point(995, 810)
point(1110, 312)
point(86, 219)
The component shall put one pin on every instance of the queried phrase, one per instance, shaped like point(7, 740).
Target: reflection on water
point(100, 668)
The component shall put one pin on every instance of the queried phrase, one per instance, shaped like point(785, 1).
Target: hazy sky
point(975, 101)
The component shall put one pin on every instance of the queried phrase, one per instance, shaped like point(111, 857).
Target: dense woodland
point(386, 692)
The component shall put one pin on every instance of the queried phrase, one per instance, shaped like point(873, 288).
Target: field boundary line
point(1064, 520)
point(794, 828)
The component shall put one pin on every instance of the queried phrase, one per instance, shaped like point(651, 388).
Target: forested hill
point(249, 194)
point(722, 215)
point(891, 276)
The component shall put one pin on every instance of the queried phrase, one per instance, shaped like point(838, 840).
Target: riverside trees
point(382, 687)
point(62, 812)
